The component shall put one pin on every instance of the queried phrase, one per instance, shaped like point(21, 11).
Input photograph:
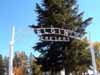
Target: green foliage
point(55, 55)
point(79, 54)
point(1, 66)
point(36, 69)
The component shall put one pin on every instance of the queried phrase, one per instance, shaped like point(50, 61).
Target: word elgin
point(56, 34)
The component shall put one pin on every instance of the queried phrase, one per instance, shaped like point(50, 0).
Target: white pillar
point(11, 52)
point(92, 55)
point(63, 71)
point(93, 59)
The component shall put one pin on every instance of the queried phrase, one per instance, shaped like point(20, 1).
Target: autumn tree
point(97, 54)
point(6, 65)
point(58, 55)
point(20, 63)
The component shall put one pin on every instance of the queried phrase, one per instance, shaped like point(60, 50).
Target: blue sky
point(21, 13)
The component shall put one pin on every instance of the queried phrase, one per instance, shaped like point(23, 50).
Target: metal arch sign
point(56, 34)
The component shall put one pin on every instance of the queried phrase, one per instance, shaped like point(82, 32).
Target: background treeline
point(22, 64)
point(27, 65)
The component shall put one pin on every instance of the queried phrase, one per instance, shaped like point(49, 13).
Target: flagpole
point(11, 52)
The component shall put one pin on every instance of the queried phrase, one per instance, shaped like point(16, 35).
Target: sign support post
point(11, 52)
point(92, 55)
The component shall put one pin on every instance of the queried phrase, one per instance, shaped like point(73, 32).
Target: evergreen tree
point(57, 55)
point(6, 65)
point(1, 66)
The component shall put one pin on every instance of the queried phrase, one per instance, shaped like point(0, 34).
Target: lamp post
point(11, 52)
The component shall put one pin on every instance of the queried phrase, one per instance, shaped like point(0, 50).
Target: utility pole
point(11, 52)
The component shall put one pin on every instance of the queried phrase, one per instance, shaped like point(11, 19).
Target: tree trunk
point(66, 70)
